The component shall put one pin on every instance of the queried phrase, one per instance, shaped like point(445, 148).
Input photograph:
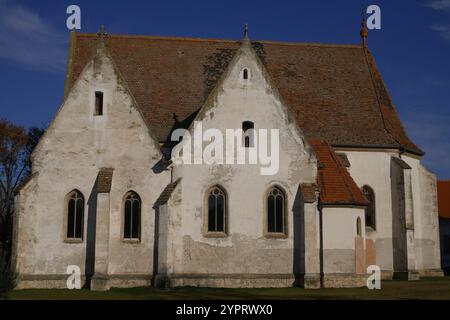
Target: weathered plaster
point(76, 146)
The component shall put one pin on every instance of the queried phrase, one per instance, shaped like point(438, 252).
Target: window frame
point(267, 233)
point(206, 232)
point(66, 237)
point(123, 220)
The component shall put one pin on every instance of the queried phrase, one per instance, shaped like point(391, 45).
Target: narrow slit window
point(248, 128)
point(245, 74)
point(98, 103)
point(358, 227)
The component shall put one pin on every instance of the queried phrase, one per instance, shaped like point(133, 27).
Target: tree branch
point(13, 189)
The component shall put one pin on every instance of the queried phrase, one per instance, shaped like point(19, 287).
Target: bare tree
point(16, 146)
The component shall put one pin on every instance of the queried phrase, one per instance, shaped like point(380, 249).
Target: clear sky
point(412, 49)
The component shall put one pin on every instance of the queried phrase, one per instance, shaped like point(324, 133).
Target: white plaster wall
point(339, 227)
point(339, 233)
point(70, 155)
point(426, 219)
point(245, 250)
point(373, 168)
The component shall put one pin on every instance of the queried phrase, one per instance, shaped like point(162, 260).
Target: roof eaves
point(399, 147)
point(343, 204)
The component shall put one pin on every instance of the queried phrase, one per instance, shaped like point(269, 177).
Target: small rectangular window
point(245, 74)
point(248, 129)
point(98, 103)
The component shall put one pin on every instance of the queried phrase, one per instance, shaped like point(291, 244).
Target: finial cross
point(246, 31)
point(102, 33)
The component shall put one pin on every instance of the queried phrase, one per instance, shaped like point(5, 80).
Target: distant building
point(444, 223)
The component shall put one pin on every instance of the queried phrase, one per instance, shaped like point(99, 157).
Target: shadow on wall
point(156, 247)
point(299, 239)
point(90, 237)
point(447, 271)
point(399, 241)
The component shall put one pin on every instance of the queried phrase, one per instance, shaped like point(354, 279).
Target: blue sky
point(412, 49)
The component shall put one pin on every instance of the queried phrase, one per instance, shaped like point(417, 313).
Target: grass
point(427, 288)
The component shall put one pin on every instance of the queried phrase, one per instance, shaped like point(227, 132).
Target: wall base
point(411, 275)
point(308, 281)
point(387, 274)
point(225, 280)
point(344, 280)
point(45, 281)
point(431, 273)
point(98, 282)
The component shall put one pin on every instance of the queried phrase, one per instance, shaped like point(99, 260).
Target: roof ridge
point(195, 39)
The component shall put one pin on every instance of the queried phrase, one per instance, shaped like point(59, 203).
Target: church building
point(106, 196)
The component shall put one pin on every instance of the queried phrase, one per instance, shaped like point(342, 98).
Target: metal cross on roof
point(246, 31)
point(102, 33)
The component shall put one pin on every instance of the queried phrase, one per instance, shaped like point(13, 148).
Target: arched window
point(75, 215)
point(132, 216)
point(216, 215)
point(245, 74)
point(358, 227)
point(370, 209)
point(248, 129)
point(276, 211)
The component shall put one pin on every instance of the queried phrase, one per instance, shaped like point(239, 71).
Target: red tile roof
point(335, 91)
point(443, 194)
point(335, 183)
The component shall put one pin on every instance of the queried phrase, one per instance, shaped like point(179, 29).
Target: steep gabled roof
point(335, 183)
point(335, 91)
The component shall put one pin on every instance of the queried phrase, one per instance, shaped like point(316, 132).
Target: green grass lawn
point(428, 288)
